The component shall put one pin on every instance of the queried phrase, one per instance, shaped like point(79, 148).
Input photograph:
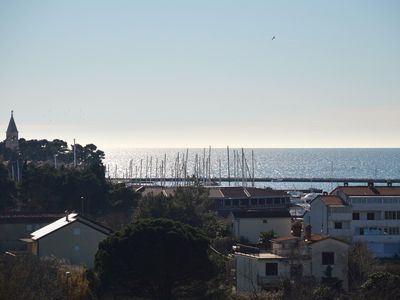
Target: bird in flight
point(273, 38)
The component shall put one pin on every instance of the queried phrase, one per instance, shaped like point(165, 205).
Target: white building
point(330, 215)
point(291, 257)
point(248, 225)
point(368, 214)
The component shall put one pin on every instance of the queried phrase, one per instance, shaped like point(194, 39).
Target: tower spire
point(12, 134)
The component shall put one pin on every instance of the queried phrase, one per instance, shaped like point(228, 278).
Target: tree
point(153, 258)
point(381, 285)
point(29, 277)
point(7, 188)
point(267, 236)
point(361, 264)
point(190, 205)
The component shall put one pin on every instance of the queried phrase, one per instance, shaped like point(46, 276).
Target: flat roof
point(262, 255)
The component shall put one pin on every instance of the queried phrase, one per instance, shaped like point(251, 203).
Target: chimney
point(307, 232)
point(66, 215)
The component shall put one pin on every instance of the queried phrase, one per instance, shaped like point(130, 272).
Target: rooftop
point(369, 190)
point(64, 221)
point(28, 217)
point(285, 238)
point(261, 255)
point(249, 214)
point(331, 200)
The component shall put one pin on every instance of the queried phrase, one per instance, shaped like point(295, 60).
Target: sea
point(277, 163)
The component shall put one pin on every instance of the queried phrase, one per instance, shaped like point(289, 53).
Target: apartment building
point(369, 214)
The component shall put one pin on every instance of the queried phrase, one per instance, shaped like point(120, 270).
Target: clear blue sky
point(197, 73)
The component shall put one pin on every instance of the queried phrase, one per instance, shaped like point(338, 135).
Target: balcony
point(375, 223)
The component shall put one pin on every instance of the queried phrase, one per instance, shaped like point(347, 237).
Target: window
point(235, 202)
point(328, 258)
point(271, 269)
point(77, 248)
point(77, 231)
point(261, 202)
point(227, 202)
point(338, 225)
point(253, 202)
point(244, 202)
point(370, 216)
point(356, 216)
point(265, 221)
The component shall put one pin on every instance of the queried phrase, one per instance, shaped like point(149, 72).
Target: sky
point(197, 73)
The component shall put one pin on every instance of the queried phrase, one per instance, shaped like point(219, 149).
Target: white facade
point(369, 214)
point(376, 221)
point(328, 215)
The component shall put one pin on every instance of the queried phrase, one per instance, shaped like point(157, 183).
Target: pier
point(344, 181)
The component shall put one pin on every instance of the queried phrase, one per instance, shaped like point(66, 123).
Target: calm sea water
point(351, 163)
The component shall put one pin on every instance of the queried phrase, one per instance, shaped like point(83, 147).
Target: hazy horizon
point(178, 74)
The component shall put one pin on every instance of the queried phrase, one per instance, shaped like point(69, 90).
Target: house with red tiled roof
point(330, 215)
point(369, 214)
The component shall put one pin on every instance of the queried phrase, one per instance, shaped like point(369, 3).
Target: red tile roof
point(258, 192)
point(233, 192)
point(369, 191)
point(285, 238)
point(331, 200)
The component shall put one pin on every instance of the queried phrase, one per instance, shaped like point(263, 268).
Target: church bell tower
point(12, 134)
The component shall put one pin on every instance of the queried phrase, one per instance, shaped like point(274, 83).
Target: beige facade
point(291, 258)
point(250, 229)
point(339, 251)
point(248, 225)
